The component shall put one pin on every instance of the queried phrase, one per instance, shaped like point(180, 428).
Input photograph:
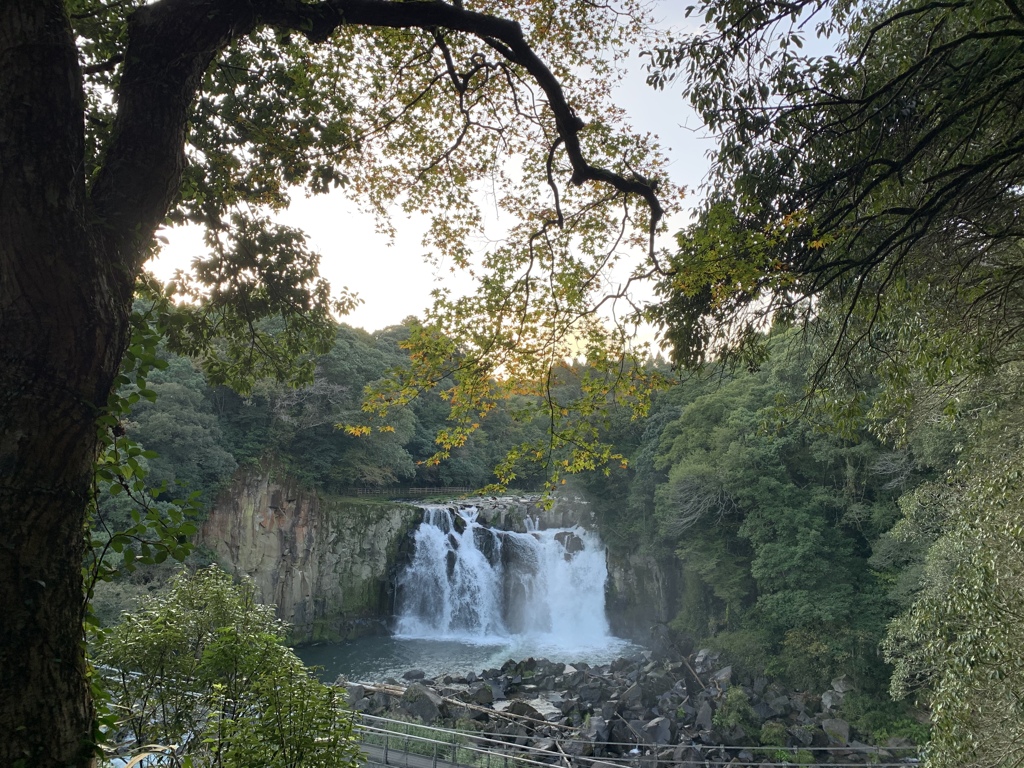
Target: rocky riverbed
point(685, 711)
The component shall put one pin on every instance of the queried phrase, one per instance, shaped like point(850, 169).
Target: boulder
point(413, 674)
point(360, 705)
point(722, 678)
point(704, 716)
point(632, 696)
point(801, 736)
point(582, 747)
point(621, 733)
point(597, 729)
point(522, 709)
point(831, 699)
point(779, 706)
point(843, 684)
point(481, 693)
point(838, 731)
point(705, 661)
point(354, 693)
point(546, 744)
point(658, 731)
point(422, 703)
point(591, 693)
point(380, 703)
point(686, 756)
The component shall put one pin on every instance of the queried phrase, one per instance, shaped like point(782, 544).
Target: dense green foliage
point(777, 523)
point(201, 677)
point(875, 190)
point(194, 435)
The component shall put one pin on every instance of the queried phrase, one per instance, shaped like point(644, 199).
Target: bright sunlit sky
point(391, 276)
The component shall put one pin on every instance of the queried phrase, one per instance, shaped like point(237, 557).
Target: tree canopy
point(888, 166)
point(873, 190)
point(117, 118)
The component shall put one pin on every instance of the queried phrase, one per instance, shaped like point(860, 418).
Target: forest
point(825, 436)
point(812, 544)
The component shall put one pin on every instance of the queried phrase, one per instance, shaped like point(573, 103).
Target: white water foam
point(542, 590)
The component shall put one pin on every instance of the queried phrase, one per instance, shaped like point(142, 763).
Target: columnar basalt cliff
point(324, 562)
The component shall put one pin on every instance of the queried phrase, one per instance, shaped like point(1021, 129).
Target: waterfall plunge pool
point(374, 659)
point(473, 597)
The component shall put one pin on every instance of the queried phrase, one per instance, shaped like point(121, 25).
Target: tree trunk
point(63, 320)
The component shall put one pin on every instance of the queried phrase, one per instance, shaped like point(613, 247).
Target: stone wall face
point(325, 563)
point(641, 594)
point(328, 564)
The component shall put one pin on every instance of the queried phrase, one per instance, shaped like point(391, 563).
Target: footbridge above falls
point(399, 744)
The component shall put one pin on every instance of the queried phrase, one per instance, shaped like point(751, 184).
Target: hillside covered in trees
point(805, 540)
point(839, 478)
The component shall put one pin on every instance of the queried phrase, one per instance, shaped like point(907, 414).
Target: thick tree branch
point(504, 36)
point(171, 45)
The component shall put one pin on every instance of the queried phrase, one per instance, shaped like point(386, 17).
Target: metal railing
point(403, 744)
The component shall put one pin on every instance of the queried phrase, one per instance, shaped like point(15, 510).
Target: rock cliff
point(324, 562)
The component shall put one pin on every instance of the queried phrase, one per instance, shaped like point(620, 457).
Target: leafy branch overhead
point(409, 104)
point(121, 116)
point(888, 158)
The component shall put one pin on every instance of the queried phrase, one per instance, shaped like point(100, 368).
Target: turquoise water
point(373, 659)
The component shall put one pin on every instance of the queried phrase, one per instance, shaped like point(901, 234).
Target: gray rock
point(481, 693)
point(414, 674)
point(705, 661)
point(735, 737)
point(354, 693)
point(657, 684)
point(632, 695)
point(831, 699)
point(764, 711)
point(686, 756)
point(843, 684)
point(780, 706)
point(422, 703)
point(361, 705)
point(380, 702)
point(658, 731)
point(723, 677)
point(591, 693)
point(546, 744)
point(523, 709)
point(583, 747)
point(837, 730)
point(596, 728)
point(704, 715)
point(802, 736)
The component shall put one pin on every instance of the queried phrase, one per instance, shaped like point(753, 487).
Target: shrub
point(203, 673)
point(773, 734)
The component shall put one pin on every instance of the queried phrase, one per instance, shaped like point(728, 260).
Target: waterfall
point(473, 583)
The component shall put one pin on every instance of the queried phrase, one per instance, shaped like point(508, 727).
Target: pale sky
point(391, 277)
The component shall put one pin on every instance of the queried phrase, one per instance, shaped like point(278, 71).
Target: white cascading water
point(476, 584)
